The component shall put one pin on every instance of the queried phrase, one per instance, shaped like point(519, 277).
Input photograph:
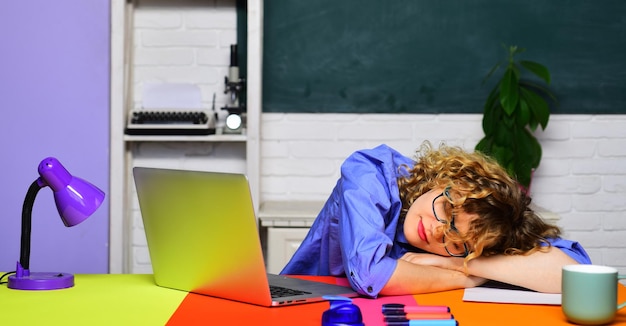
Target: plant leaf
point(484, 145)
point(509, 94)
point(523, 115)
point(529, 149)
point(502, 133)
point(533, 124)
point(527, 156)
point(514, 50)
point(504, 156)
point(491, 116)
point(538, 106)
point(537, 88)
point(492, 71)
point(538, 69)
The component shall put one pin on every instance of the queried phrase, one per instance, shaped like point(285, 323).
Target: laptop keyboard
point(279, 292)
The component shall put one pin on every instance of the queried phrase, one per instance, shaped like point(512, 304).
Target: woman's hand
point(412, 277)
point(452, 263)
point(421, 273)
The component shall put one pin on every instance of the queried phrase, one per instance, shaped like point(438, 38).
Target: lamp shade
point(75, 198)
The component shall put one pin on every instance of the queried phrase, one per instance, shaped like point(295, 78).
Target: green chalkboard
point(430, 56)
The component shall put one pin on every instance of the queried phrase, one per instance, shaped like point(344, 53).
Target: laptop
point(203, 237)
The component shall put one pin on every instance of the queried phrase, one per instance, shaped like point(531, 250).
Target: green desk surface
point(112, 299)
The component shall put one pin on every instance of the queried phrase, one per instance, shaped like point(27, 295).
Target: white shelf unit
point(207, 139)
point(121, 145)
point(283, 226)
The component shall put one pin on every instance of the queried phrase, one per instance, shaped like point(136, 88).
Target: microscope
point(235, 121)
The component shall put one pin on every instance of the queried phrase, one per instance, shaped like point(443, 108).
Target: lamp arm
point(27, 210)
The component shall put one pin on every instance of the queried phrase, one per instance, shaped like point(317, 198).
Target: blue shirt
point(357, 233)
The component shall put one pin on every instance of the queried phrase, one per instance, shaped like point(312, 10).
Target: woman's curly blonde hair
point(478, 186)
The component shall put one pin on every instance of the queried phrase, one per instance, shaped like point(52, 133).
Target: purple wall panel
point(54, 99)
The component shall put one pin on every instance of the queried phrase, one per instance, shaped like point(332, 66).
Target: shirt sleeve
point(572, 249)
point(370, 207)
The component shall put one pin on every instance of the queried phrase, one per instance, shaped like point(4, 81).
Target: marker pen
point(440, 322)
point(399, 309)
point(408, 317)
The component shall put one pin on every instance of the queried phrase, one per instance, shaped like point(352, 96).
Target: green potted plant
point(514, 109)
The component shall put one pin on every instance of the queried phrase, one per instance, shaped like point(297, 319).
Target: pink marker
point(439, 315)
point(400, 309)
point(404, 317)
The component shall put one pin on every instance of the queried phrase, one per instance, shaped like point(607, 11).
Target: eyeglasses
point(456, 250)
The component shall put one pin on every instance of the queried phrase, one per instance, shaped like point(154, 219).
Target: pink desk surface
point(134, 299)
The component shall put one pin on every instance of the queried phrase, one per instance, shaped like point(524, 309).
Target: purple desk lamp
point(76, 200)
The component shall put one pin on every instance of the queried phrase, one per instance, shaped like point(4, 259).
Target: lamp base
point(41, 281)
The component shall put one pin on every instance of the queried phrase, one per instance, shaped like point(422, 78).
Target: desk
point(133, 299)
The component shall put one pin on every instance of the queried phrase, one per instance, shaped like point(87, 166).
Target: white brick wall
point(582, 176)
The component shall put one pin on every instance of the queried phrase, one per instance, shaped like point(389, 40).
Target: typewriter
point(170, 122)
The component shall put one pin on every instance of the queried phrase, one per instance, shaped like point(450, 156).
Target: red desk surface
point(202, 310)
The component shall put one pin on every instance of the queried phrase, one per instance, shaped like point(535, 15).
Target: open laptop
point(203, 237)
